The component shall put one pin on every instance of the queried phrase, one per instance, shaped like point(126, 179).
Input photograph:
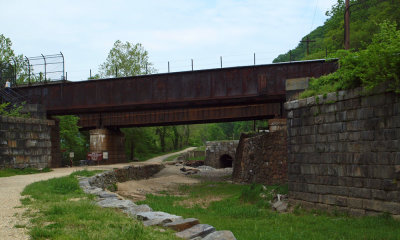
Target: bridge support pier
point(108, 140)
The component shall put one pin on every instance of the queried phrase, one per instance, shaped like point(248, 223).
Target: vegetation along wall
point(344, 152)
point(25, 142)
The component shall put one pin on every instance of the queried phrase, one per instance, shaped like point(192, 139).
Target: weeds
point(240, 210)
point(54, 216)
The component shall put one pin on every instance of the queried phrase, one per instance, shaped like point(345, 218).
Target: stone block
point(156, 215)
point(182, 224)
point(199, 230)
point(374, 100)
point(359, 192)
point(382, 206)
point(365, 113)
point(378, 194)
point(354, 202)
point(220, 235)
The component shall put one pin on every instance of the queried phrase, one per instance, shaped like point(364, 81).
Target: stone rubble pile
point(189, 228)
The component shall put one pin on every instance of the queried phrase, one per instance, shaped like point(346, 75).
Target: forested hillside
point(365, 17)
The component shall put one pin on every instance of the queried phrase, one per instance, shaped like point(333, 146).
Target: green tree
point(126, 59)
point(379, 63)
point(71, 139)
point(364, 23)
point(9, 60)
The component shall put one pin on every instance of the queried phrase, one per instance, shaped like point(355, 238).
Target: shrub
point(378, 64)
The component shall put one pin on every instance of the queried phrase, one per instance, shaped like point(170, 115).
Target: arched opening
point(225, 161)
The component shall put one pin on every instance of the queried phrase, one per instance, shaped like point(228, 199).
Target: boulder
point(157, 222)
point(220, 235)
point(134, 210)
point(104, 194)
point(116, 203)
point(280, 206)
point(199, 230)
point(92, 190)
point(182, 224)
point(155, 215)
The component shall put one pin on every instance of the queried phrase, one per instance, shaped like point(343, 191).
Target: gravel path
point(11, 188)
point(161, 158)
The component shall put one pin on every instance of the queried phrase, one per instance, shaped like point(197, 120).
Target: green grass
point(201, 158)
point(240, 208)
point(201, 148)
point(59, 209)
point(86, 173)
point(8, 172)
point(171, 158)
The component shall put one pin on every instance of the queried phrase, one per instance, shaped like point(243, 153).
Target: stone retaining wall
point(25, 142)
point(109, 178)
point(344, 152)
point(261, 158)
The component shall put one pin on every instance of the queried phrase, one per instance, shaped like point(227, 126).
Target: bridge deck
point(180, 93)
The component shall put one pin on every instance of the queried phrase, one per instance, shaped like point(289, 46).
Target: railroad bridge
point(214, 95)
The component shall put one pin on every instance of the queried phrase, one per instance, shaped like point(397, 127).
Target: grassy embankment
point(240, 208)
point(8, 172)
point(59, 209)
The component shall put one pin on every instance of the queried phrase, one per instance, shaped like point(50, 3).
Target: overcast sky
point(173, 30)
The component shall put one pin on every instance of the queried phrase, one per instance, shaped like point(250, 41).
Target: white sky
point(173, 30)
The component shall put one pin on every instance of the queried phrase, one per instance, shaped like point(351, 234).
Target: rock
point(199, 230)
point(220, 235)
point(205, 168)
point(116, 203)
point(182, 224)
point(93, 190)
point(84, 183)
point(189, 170)
point(137, 209)
point(155, 215)
point(104, 194)
point(280, 206)
point(157, 222)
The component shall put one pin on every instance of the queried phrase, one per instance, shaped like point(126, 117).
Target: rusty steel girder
point(179, 116)
point(248, 85)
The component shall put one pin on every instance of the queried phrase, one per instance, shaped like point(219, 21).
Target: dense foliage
point(378, 64)
point(6, 109)
point(71, 139)
point(366, 15)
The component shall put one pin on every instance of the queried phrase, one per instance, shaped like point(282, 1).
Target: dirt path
point(11, 188)
point(161, 158)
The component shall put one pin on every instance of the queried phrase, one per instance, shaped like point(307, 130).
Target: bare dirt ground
point(167, 179)
point(11, 188)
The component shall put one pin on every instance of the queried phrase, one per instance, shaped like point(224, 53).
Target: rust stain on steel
point(179, 116)
point(204, 88)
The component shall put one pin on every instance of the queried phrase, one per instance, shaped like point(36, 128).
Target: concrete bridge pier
point(109, 140)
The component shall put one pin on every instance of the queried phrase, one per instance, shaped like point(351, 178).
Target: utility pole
point(347, 25)
point(308, 41)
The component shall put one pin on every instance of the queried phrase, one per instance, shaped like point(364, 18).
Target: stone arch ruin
point(225, 161)
point(220, 154)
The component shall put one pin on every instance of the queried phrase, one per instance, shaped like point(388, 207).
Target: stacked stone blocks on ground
point(344, 151)
point(25, 142)
point(261, 158)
